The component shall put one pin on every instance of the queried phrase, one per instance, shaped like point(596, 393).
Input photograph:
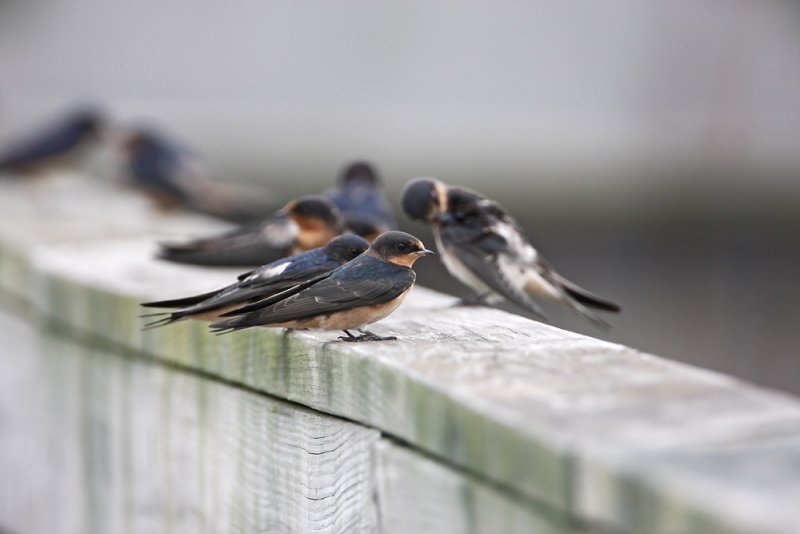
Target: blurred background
point(651, 150)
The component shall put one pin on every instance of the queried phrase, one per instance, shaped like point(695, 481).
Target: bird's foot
point(480, 300)
point(365, 336)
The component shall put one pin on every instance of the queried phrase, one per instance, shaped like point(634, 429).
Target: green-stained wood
point(146, 448)
point(566, 422)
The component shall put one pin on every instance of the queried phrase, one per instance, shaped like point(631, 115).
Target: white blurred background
point(650, 149)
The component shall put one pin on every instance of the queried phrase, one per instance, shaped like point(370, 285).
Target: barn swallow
point(485, 249)
point(173, 177)
point(59, 144)
point(303, 224)
point(358, 293)
point(359, 198)
point(263, 282)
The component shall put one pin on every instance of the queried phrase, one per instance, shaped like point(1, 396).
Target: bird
point(175, 178)
point(484, 248)
point(360, 292)
point(59, 144)
point(263, 282)
point(306, 223)
point(359, 198)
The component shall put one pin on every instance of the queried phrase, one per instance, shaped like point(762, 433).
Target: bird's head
point(359, 172)
point(89, 121)
point(425, 199)
point(399, 248)
point(313, 213)
point(134, 141)
point(346, 247)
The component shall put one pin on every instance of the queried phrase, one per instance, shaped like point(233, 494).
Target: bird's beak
point(425, 252)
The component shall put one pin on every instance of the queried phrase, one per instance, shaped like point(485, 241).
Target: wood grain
point(102, 443)
point(598, 431)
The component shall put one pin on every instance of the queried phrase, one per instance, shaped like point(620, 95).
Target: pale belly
point(528, 279)
point(345, 320)
point(460, 271)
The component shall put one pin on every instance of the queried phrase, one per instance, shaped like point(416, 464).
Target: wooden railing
point(476, 420)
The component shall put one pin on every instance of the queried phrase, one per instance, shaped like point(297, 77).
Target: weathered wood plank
point(552, 416)
point(419, 495)
point(100, 443)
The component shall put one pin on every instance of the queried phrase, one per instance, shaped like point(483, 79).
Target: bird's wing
point(57, 140)
point(497, 272)
point(264, 285)
point(494, 249)
point(277, 296)
point(254, 244)
point(351, 286)
point(365, 208)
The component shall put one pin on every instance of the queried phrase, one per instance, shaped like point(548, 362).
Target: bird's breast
point(457, 268)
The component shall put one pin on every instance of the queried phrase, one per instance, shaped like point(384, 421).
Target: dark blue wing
point(364, 208)
point(365, 281)
point(253, 244)
point(154, 166)
point(54, 141)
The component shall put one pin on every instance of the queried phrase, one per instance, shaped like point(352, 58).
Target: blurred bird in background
point(306, 223)
point(175, 178)
point(360, 292)
point(264, 282)
point(361, 201)
point(62, 144)
point(484, 248)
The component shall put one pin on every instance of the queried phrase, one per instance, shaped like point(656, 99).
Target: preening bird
point(484, 248)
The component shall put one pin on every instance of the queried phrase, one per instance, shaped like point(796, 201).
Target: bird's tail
point(229, 325)
point(180, 303)
point(587, 298)
point(164, 321)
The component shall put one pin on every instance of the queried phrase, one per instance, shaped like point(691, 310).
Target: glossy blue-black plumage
point(155, 162)
point(269, 279)
point(365, 281)
point(52, 142)
point(361, 201)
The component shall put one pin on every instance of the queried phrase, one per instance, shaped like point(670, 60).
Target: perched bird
point(354, 295)
point(303, 224)
point(485, 249)
point(175, 178)
point(359, 198)
point(263, 282)
point(59, 144)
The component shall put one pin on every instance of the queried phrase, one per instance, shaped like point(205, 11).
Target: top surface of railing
point(612, 436)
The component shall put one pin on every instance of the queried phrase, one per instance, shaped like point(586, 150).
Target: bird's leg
point(366, 335)
point(350, 337)
point(479, 300)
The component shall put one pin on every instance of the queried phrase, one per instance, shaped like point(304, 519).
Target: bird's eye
point(402, 246)
point(355, 251)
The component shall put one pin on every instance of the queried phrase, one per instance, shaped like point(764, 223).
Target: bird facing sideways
point(485, 249)
point(263, 282)
point(359, 198)
point(361, 292)
point(59, 144)
point(306, 223)
point(175, 178)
